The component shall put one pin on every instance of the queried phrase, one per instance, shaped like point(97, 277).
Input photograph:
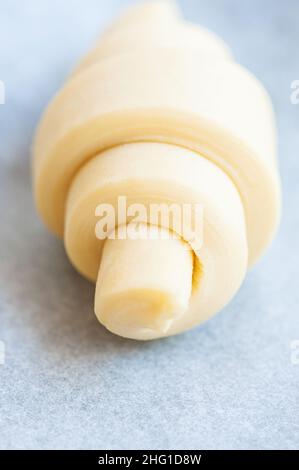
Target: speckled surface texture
point(68, 383)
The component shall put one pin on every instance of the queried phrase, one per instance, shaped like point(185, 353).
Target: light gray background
point(68, 383)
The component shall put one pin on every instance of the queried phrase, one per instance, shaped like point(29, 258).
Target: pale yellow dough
point(160, 112)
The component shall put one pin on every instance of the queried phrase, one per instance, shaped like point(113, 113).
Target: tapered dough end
point(144, 282)
point(153, 25)
point(149, 11)
point(172, 283)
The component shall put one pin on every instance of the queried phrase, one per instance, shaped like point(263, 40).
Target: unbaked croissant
point(159, 113)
